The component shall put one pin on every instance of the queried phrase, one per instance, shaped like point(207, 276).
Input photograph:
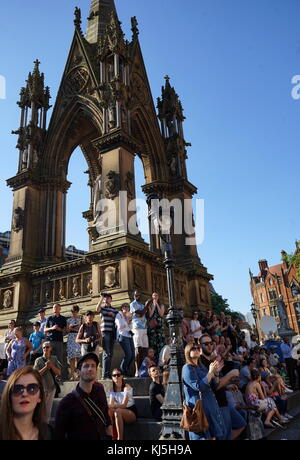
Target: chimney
point(263, 265)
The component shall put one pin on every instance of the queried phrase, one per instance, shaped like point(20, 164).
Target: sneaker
point(284, 419)
point(288, 416)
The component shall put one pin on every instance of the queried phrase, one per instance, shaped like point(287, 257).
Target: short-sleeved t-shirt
point(47, 377)
point(155, 389)
point(36, 339)
point(138, 322)
point(56, 336)
point(108, 321)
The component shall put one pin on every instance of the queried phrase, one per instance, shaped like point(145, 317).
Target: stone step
point(142, 404)
point(142, 430)
point(140, 386)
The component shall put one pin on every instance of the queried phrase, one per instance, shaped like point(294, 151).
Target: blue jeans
point(108, 348)
point(128, 348)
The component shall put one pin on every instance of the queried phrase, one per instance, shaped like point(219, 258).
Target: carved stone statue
point(173, 165)
point(7, 299)
point(112, 185)
point(129, 185)
point(111, 277)
point(112, 115)
point(18, 220)
point(284, 321)
point(77, 14)
point(75, 286)
point(62, 290)
point(90, 286)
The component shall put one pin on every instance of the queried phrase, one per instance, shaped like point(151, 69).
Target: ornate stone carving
point(139, 276)
point(112, 185)
point(129, 185)
point(36, 294)
point(18, 220)
point(7, 299)
point(76, 81)
point(62, 290)
point(48, 292)
point(111, 276)
point(89, 285)
point(76, 286)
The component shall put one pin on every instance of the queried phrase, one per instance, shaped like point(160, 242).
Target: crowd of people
point(242, 385)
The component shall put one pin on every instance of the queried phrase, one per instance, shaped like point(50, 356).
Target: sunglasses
point(45, 348)
point(116, 375)
point(195, 348)
point(31, 389)
point(206, 343)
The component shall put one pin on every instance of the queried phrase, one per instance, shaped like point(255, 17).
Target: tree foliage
point(221, 305)
point(293, 259)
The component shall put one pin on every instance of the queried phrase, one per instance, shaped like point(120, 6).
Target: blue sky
point(231, 62)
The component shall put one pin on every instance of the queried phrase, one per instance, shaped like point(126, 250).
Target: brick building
point(270, 283)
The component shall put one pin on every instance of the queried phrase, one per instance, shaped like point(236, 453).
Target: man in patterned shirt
point(108, 316)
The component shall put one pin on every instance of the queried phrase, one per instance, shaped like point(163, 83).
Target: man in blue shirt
point(36, 338)
point(290, 363)
point(139, 329)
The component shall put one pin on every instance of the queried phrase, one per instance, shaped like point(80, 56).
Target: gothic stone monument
point(104, 105)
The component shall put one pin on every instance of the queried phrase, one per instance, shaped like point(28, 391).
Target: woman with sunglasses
point(49, 368)
point(22, 413)
point(122, 408)
point(197, 380)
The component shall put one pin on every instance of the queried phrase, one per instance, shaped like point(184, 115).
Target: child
point(148, 361)
point(36, 338)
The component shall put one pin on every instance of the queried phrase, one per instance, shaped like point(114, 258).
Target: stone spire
point(99, 18)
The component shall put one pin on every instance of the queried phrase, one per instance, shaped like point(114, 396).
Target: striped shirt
point(108, 322)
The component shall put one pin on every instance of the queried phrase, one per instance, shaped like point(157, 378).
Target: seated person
point(2, 386)
point(148, 361)
point(164, 361)
point(156, 392)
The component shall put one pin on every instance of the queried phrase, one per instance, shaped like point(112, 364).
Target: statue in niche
point(110, 277)
point(62, 290)
point(7, 299)
point(112, 115)
point(48, 292)
point(139, 276)
point(89, 286)
point(36, 295)
point(18, 220)
point(75, 286)
point(24, 163)
point(173, 164)
point(112, 185)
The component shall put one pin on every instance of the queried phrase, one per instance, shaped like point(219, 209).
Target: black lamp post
point(172, 406)
point(256, 318)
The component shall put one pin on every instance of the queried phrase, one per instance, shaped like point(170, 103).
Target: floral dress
point(156, 335)
point(73, 348)
point(18, 349)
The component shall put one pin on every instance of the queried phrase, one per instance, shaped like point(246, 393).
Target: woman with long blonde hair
point(23, 411)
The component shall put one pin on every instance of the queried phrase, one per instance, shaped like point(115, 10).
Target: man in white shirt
point(125, 337)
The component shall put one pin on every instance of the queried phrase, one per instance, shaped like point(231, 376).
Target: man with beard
point(234, 422)
point(83, 414)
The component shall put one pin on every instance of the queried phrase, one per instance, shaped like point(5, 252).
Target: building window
point(264, 311)
point(275, 312)
point(262, 298)
point(273, 295)
point(271, 311)
point(270, 282)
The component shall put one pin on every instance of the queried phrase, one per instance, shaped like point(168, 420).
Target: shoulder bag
point(194, 419)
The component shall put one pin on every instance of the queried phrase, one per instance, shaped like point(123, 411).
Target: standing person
point(156, 393)
point(195, 326)
point(231, 333)
point(197, 379)
point(3, 367)
point(185, 328)
point(286, 349)
point(122, 408)
point(73, 348)
point(55, 328)
point(155, 314)
point(49, 368)
point(83, 414)
point(36, 339)
point(89, 335)
point(17, 351)
point(108, 315)
point(125, 337)
point(139, 329)
point(42, 319)
point(207, 322)
point(22, 414)
point(9, 335)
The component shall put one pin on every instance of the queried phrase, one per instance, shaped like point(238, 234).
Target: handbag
point(194, 419)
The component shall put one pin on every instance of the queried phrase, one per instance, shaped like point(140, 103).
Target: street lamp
point(172, 406)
